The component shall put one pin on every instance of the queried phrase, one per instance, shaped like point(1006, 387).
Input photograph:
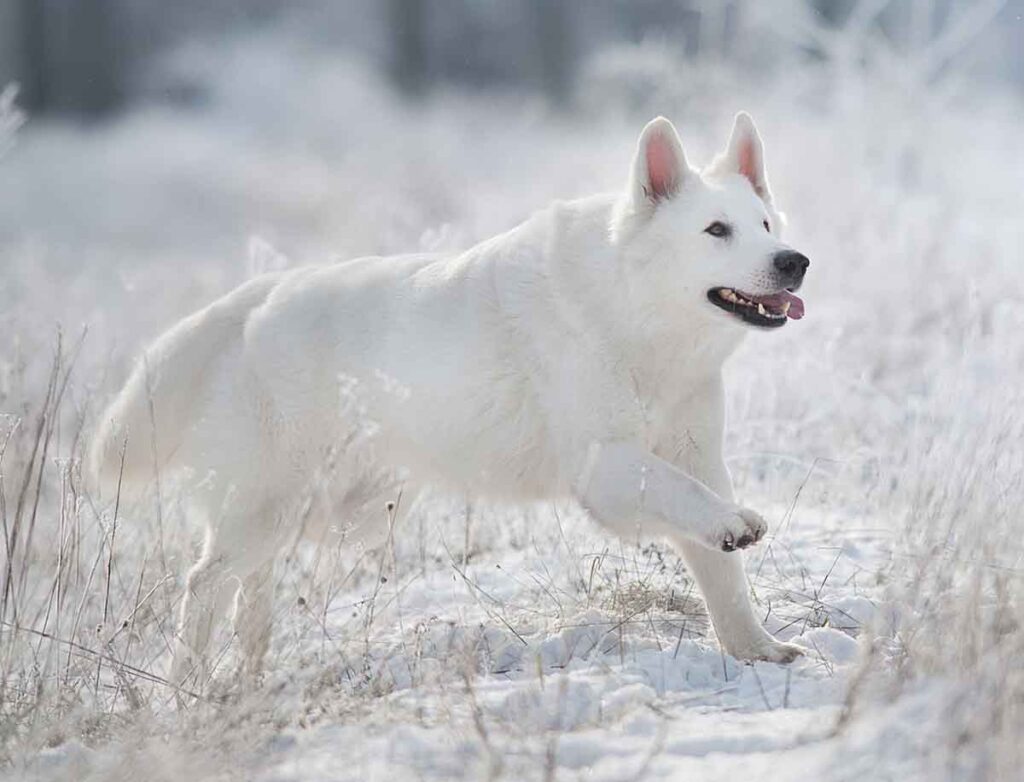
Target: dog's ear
point(659, 166)
point(745, 156)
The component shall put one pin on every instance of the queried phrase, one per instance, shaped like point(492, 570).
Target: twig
point(77, 647)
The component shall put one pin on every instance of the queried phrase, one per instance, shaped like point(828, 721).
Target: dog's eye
point(766, 227)
point(719, 229)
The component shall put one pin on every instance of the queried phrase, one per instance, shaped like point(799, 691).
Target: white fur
point(574, 356)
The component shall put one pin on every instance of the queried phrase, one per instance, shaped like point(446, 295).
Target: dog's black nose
point(792, 264)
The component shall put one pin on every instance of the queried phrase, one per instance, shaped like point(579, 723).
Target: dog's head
point(706, 245)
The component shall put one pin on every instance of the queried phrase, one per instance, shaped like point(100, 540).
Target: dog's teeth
point(785, 308)
point(760, 310)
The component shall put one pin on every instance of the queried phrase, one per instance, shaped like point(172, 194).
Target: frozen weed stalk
point(958, 596)
point(11, 118)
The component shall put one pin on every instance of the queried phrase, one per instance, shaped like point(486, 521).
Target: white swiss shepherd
point(577, 356)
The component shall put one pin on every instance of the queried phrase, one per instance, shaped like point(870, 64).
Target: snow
point(879, 437)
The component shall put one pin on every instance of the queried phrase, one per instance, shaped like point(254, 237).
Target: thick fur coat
point(578, 355)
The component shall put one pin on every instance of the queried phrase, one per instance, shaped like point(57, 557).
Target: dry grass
point(957, 588)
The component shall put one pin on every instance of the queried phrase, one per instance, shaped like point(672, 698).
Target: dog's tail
point(138, 435)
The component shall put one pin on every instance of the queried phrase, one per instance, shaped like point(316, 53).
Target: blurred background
point(90, 58)
point(172, 148)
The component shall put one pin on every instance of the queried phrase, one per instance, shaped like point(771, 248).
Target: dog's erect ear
point(745, 156)
point(659, 167)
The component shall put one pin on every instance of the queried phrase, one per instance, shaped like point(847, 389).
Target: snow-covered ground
point(880, 436)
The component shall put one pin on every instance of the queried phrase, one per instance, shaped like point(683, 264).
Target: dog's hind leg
point(209, 590)
point(253, 618)
point(241, 542)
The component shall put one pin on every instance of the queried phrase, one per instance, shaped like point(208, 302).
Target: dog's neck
point(663, 361)
point(668, 368)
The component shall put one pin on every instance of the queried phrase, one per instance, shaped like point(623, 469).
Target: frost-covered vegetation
point(881, 436)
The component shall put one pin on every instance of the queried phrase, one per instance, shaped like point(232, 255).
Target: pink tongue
point(777, 300)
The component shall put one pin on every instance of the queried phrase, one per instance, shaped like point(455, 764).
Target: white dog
point(577, 356)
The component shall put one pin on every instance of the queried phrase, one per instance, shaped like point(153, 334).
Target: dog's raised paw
point(744, 528)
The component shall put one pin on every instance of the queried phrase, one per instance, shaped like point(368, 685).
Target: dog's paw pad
point(744, 528)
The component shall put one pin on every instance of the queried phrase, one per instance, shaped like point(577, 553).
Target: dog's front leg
point(629, 489)
point(726, 593)
point(723, 583)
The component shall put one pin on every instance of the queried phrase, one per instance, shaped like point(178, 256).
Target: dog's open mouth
point(770, 311)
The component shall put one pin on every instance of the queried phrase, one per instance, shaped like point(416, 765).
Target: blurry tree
point(21, 43)
point(87, 57)
point(833, 12)
point(65, 55)
point(11, 117)
point(407, 20)
point(555, 50)
point(484, 44)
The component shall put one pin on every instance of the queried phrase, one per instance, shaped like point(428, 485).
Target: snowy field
point(881, 437)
